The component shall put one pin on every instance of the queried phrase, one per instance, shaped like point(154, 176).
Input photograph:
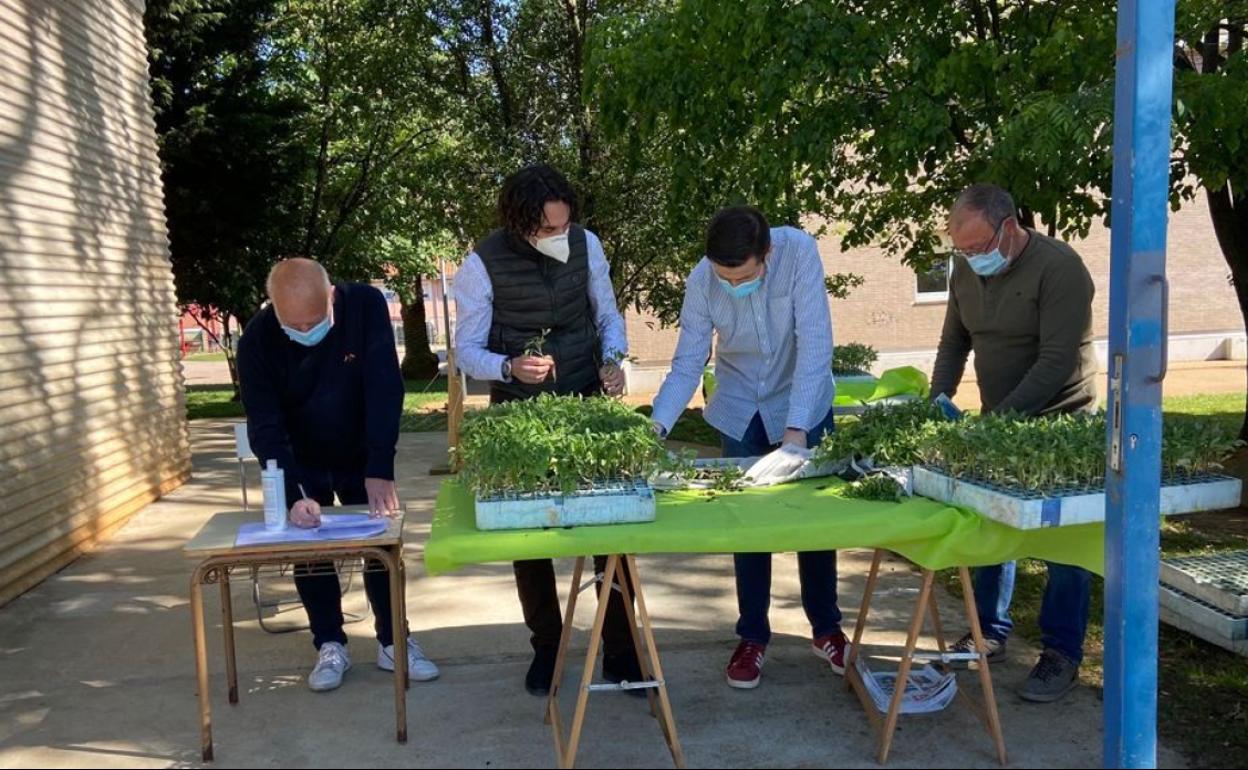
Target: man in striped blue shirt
point(759, 292)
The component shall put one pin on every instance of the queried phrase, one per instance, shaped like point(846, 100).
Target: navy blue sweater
point(332, 407)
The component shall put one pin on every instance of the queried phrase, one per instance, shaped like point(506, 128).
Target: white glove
point(781, 465)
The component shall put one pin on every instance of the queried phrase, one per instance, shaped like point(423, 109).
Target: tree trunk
point(232, 343)
point(228, 347)
point(1228, 209)
point(419, 362)
point(577, 13)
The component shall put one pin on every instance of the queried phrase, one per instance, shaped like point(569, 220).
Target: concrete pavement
point(97, 671)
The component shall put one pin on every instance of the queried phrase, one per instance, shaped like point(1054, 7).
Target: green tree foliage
point(300, 127)
point(1211, 126)
point(526, 72)
point(875, 113)
point(231, 161)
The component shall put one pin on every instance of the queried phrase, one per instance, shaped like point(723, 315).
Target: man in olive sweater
point(1023, 303)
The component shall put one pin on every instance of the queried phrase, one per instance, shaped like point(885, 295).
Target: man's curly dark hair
point(526, 193)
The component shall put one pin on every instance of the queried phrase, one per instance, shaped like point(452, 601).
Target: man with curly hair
point(536, 313)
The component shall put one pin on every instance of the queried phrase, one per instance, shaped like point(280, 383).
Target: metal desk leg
point(227, 625)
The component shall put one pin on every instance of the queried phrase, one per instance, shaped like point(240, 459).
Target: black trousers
point(539, 599)
point(317, 582)
point(535, 582)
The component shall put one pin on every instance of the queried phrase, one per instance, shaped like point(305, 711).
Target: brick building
point(900, 313)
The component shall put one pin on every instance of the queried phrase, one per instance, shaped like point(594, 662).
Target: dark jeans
point(816, 569)
point(1063, 611)
point(318, 583)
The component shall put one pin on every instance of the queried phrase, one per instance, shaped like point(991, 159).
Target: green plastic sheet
point(901, 381)
point(805, 516)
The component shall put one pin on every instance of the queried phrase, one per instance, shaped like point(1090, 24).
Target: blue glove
point(951, 412)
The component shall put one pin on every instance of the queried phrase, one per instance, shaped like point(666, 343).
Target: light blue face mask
point(991, 263)
point(987, 264)
point(741, 290)
point(312, 337)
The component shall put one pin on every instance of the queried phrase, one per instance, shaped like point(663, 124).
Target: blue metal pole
point(1137, 363)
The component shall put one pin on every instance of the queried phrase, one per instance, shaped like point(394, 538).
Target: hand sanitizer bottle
point(273, 480)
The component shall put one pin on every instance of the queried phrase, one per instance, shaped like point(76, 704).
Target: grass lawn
point(211, 402)
point(423, 404)
point(205, 357)
point(691, 427)
point(424, 410)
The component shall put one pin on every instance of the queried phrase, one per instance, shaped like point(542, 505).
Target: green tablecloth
point(805, 516)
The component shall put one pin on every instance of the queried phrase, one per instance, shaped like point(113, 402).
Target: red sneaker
point(746, 666)
point(832, 649)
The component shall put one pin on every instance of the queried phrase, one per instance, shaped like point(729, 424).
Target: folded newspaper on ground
point(927, 690)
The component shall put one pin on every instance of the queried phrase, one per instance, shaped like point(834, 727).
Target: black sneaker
point(996, 649)
point(1054, 676)
point(624, 667)
point(541, 671)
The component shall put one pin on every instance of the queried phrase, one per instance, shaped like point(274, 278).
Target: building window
point(932, 285)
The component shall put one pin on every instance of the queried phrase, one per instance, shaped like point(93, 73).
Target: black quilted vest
point(533, 292)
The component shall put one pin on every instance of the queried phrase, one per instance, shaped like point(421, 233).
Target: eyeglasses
point(968, 253)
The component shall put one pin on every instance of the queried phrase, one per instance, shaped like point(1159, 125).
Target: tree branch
point(497, 73)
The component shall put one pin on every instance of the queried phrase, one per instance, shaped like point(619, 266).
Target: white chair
point(243, 453)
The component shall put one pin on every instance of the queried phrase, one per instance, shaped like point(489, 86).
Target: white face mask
point(556, 247)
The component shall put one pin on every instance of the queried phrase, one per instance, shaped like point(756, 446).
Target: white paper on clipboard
point(334, 526)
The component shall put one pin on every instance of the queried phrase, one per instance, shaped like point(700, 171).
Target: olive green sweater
point(1030, 327)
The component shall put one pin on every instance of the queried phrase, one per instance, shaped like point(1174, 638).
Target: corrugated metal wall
point(92, 417)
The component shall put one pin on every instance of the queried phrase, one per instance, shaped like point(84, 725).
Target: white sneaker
point(419, 667)
point(331, 663)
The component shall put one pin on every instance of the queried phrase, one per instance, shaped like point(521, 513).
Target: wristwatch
point(506, 370)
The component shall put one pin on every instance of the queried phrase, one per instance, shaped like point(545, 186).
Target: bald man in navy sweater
point(323, 395)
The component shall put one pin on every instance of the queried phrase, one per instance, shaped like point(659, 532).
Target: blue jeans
point(1063, 611)
point(816, 569)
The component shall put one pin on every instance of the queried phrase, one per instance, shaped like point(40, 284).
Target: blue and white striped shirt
point(773, 353)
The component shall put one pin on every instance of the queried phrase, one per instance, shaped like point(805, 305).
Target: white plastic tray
point(626, 502)
point(1038, 512)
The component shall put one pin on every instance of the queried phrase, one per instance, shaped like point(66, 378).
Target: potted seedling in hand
point(535, 365)
point(612, 374)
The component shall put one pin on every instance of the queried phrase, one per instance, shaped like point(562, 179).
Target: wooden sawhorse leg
point(886, 726)
point(628, 582)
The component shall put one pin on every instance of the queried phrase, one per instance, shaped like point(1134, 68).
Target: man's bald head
point(300, 291)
